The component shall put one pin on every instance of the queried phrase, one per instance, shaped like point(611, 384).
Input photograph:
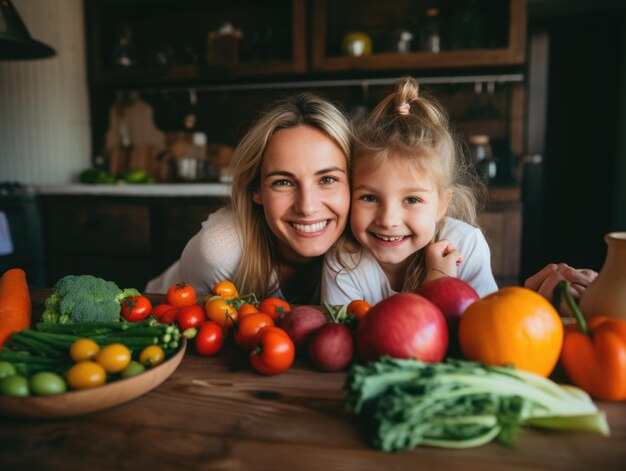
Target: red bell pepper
point(594, 353)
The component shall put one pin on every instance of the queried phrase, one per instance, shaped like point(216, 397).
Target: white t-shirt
point(212, 255)
point(367, 281)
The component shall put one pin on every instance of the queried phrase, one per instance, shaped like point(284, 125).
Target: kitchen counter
point(147, 190)
point(217, 413)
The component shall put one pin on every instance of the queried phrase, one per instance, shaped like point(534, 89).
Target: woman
point(290, 201)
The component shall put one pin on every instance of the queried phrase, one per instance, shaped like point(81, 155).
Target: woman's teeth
point(318, 226)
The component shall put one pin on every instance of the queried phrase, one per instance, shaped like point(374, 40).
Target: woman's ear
point(444, 202)
point(256, 197)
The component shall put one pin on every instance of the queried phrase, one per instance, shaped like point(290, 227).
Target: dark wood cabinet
point(126, 240)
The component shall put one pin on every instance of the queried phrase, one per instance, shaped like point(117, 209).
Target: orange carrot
point(15, 304)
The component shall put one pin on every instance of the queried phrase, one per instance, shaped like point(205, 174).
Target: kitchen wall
point(44, 113)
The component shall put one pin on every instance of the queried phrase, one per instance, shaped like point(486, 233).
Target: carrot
point(15, 304)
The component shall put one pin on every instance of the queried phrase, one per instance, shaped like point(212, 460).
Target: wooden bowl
point(75, 403)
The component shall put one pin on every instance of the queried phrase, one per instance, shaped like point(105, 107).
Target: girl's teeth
point(389, 239)
point(318, 226)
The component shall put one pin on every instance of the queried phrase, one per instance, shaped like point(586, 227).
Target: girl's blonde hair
point(259, 259)
point(410, 125)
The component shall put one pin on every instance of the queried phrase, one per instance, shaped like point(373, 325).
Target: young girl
point(413, 211)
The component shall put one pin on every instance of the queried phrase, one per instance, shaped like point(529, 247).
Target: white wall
point(44, 108)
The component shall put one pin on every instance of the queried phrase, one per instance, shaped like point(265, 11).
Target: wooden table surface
point(217, 413)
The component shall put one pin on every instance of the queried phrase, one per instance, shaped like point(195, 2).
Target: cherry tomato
point(249, 327)
point(273, 351)
point(84, 349)
point(218, 310)
point(114, 357)
point(136, 308)
point(209, 339)
point(276, 308)
point(85, 374)
point(160, 310)
point(246, 309)
point(181, 295)
point(226, 289)
point(358, 308)
point(190, 316)
point(151, 356)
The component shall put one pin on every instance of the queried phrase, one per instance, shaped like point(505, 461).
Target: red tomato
point(247, 309)
point(273, 352)
point(249, 327)
point(276, 308)
point(136, 308)
point(209, 339)
point(181, 295)
point(166, 313)
point(358, 308)
point(190, 316)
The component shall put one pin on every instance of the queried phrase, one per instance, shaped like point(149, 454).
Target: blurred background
point(115, 148)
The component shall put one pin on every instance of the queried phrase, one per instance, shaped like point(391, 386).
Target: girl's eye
point(328, 180)
point(369, 198)
point(412, 200)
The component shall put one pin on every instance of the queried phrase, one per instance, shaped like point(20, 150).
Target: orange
point(513, 326)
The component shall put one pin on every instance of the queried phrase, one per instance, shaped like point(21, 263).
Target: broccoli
point(84, 298)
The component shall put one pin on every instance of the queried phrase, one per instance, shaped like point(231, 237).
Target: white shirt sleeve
point(476, 266)
point(212, 255)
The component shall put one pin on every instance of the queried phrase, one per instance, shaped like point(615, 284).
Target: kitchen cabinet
point(126, 240)
point(468, 34)
point(140, 42)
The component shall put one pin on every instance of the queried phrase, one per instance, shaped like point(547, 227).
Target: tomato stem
point(580, 319)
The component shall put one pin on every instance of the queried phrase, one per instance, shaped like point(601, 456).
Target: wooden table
point(217, 413)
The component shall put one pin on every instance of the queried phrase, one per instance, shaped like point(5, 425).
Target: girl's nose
point(387, 216)
point(307, 201)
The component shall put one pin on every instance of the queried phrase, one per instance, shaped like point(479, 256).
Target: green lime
point(14, 386)
point(6, 369)
point(133, 369)
point(45, 383)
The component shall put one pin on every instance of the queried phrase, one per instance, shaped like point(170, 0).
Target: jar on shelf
point(482, 157)
point(431, 31)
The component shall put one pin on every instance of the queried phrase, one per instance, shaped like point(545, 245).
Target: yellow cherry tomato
point(226, 289)
point(85, 374)
point(84, 349)
point(114, 357)
point(152, 356)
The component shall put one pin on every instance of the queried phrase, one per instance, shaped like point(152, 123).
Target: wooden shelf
point(512, 53)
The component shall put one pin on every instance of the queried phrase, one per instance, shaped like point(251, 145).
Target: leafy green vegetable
point(84, 298)
point(459, 404)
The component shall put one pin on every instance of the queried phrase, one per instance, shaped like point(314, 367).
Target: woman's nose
point(307, 201)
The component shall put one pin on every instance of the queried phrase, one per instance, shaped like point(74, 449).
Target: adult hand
point(545, 281)
point(441, 259)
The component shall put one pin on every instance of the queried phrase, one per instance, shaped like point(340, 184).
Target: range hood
point(15, 41)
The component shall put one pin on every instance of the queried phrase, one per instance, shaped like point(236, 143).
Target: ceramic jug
point(606, 295)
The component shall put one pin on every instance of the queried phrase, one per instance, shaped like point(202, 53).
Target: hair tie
point(404, 108)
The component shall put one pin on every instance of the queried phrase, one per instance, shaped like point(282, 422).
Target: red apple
point(452, 296)
point(404, 325)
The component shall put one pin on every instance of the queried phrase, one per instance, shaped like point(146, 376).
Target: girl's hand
point(441, 259)
point(546, 280)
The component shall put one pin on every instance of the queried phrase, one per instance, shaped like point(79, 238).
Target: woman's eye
point(328, 180)
point(282, 182)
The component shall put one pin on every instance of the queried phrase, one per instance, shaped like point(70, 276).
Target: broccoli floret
point(83, 298)
point(127, 293)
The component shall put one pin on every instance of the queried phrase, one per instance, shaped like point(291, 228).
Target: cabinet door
point(501, 37)
point(98, 227)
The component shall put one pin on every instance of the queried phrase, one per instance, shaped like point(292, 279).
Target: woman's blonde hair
point(410, 125)
point(259, 258)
